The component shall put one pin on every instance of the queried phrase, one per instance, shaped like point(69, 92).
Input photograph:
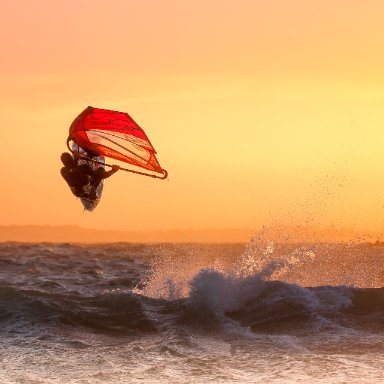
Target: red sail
point(116, 135)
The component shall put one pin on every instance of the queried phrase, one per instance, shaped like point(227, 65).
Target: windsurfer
point(81, 178)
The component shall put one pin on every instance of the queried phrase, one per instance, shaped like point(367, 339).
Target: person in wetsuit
point(81, 178)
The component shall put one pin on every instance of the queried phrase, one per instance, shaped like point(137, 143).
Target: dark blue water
point(188, 313)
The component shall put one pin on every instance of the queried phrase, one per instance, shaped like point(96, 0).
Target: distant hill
point(285, 234)
point(47, 233)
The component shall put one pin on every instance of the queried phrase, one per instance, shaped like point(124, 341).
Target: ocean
point(261, 312)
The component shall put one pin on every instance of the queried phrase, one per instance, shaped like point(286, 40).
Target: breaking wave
point(125, 289)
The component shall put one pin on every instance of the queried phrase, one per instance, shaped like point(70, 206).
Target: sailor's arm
point(105, 174)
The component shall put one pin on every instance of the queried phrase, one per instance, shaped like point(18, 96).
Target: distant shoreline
point(74, 234)
point(289, 234)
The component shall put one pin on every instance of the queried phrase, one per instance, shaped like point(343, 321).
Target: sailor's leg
point(65, 173)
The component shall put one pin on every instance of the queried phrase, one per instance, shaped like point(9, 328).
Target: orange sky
point(261, 111)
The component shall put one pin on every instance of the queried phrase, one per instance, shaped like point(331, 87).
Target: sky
point(262, 112)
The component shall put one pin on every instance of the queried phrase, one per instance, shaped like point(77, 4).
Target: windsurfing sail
point(117, 136)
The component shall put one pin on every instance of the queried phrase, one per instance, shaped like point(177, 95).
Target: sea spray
point(172, 271)
point(175, 267)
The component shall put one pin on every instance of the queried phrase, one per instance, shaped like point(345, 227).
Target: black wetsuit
point(83, 180)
